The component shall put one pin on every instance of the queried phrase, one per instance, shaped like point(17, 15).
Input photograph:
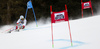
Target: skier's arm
point(25, 21)
point(18, 21)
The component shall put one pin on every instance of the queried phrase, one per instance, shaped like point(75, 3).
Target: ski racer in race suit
point(21, 23)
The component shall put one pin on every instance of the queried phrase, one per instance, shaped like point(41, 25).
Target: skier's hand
point(17, 23)
point(23, 26)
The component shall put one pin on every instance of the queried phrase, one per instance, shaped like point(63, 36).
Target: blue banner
point(29, 5)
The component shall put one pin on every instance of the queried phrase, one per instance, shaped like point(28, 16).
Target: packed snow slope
point(85, 35)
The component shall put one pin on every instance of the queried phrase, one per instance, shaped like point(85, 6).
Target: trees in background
point(10, 10)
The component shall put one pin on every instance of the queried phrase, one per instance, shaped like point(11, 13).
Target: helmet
point(21, 17)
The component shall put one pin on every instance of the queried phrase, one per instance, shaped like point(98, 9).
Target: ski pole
point(7, 29)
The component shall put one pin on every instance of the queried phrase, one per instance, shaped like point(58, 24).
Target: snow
point(85, 35)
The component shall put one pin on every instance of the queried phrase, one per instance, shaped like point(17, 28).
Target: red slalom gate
point(85, 5)
point(59, 16)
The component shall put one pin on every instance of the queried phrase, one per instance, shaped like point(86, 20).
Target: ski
point(11, 30)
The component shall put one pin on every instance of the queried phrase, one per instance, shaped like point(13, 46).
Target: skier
point(21, 23)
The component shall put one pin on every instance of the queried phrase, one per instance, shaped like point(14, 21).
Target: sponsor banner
point(86, 5)
point(59, 16)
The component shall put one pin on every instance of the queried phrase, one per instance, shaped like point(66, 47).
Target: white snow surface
point(85, 35)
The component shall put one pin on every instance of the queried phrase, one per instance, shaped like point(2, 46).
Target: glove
point(17, 23)
point(23, 27)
